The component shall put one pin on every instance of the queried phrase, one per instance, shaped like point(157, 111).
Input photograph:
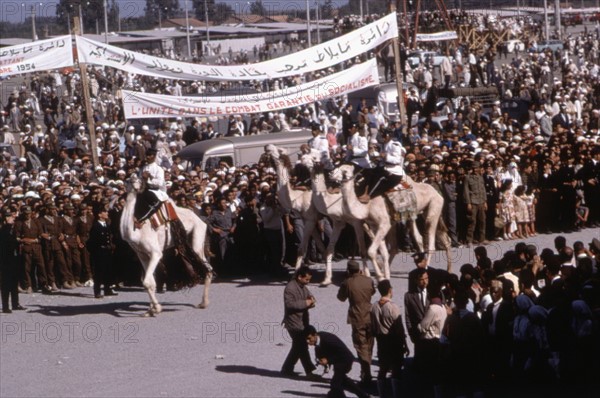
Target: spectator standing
point(476, 201)
point(297, 301)
point(9, 264)
point(388, 329)
point(101, 248)
point(358, 290)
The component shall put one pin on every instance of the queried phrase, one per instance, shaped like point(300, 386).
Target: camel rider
point(319, 144)
point(358, 147)
point(390, 175)
point(155, 193)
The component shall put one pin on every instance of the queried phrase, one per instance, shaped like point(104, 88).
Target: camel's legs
point(338, 226)
point(381, 232)
point(359, 232)
point(198, 238)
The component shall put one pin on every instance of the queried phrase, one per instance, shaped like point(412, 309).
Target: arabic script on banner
point(318, 57)
point(36, 56)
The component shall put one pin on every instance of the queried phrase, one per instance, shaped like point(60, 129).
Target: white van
point(239, 151)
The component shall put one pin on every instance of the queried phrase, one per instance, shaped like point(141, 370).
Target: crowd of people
point(525, 323)
point(502, 177)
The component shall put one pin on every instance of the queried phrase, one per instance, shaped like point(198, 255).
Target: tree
point(257, 8)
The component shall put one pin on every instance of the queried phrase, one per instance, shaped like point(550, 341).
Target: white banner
point(439, 36)
point(311, 59)
point(36, 56)
point(138, 105)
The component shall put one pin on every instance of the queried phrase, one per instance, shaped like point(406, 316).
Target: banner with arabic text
point(138, 105)
point(36, 56)
point(318, 57)
point(439, 36)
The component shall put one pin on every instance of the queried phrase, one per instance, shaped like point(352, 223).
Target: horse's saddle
point(164, 214)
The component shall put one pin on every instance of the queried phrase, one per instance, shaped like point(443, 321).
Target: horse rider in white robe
point(155, 193)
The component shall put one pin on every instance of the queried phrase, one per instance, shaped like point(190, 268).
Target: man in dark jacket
point(358, 290)
point(100, 246)
point(298, 300)
point(331, 351)
point(9, 265)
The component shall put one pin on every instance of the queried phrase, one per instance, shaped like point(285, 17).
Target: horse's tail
point(190, 266)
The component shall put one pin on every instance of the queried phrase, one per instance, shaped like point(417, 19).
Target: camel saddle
point(402, 204)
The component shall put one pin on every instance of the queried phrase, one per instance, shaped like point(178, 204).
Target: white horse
point(150, 244)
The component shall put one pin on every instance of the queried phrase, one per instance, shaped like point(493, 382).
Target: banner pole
point(399, 75)
point(89, 112)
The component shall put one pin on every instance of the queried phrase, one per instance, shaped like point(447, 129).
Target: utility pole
point(399, 75)
point(187, 30)
point(546, 29)
point(80, 19)
point(308, 23)
point(557, 18)
point(89, 112)
point(208, 49)
point(105, 22)
point(318, 16)
point(33, 32)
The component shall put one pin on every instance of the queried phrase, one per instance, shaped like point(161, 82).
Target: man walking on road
point(358, 290)
point(297, 301)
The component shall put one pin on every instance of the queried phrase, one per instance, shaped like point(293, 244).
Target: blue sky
point(18, 10)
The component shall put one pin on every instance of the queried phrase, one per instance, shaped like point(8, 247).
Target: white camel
point(430, 204)
point(150, 244)
point(296, 199)
point(374, 213)
point(330, 204)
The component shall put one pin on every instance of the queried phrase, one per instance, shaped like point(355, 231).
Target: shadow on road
point(302, 393)
point(254, 371)
point(116, 309)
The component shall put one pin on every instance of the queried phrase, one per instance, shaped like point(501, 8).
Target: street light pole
point(187, 30)
point(80, 20)
point(105, 22)
point(318, 16)
point(546, 29)
point(208, 50)
point(308, 23)
point(34, 34)
point(360, 5)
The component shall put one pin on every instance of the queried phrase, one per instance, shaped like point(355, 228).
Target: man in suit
point(9, 265)
point(358, 290)
point(297, 301)
point(331, 351)
point(497, 323)
point(416, 302)
point(437, 277)
point(476, 200)
point(100, 246)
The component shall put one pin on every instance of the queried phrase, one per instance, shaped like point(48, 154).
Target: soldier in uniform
point(492, 198)
point(28, 232)
point(52, 249)
point(319, 144)
point(84, 225)
point(101, 248)
point(9, 265)
point(476, 201)
point(70, 243)
point(358, 290)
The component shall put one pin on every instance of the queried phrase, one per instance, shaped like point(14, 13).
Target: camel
point(429, 202)
point(374, 213)
point(295, 199)
point(150, 244)
point(331, 205)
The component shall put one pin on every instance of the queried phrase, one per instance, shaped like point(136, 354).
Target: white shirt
point(156, 180)
point(394, 157)
point(321, 145)
point(360, 150)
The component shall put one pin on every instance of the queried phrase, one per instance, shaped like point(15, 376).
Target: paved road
point(71, 344)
